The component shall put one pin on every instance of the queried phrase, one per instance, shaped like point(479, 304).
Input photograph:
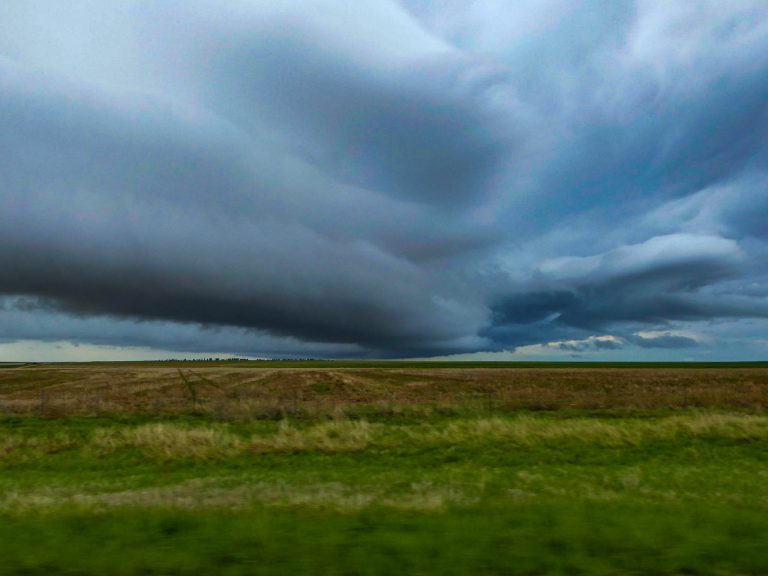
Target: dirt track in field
point(62, 390)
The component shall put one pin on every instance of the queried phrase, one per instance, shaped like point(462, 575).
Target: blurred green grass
point(677, 492)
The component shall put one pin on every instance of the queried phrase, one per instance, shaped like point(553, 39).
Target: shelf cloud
point(384, 178)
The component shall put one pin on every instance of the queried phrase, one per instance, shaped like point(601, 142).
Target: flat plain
point(383, 468)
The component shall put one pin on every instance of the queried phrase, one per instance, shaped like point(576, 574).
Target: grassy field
point(221, 469)
point(272, 390)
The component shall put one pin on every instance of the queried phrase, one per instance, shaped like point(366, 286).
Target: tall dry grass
point(210, 441)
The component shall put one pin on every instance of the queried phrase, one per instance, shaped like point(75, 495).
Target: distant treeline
point(235, 359)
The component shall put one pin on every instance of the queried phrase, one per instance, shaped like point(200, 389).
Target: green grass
point(12, 365)
point(566, 493)
point(541, 538)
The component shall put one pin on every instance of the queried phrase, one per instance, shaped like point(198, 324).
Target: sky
point(517, 179)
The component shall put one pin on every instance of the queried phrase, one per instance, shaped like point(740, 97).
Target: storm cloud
point(384, 178)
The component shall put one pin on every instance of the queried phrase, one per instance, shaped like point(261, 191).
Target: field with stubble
point(383, 468)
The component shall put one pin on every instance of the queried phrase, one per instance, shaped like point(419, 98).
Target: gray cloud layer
point(381, 178)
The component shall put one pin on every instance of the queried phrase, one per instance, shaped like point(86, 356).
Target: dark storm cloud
point(381, 177)
point(586, 345)
point(641, 101)
point(661, 147)
point(418, 132)
point(661, 280)
point(37, 320)
point(664, 341)
point(128, 242)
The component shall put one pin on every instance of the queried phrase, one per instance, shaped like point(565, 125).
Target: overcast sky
point(380, 178)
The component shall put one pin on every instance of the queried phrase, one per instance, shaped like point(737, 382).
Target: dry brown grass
point(529, 431)
point(237, 392)
point(214, 441)
point(237, 493)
